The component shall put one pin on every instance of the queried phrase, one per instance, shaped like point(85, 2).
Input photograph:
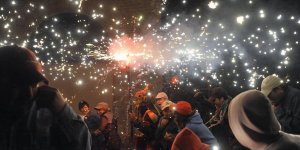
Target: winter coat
point(93, 121)
point(65, 130)
point(255, 126)
point(288, 111)
point(186, 139)
point(195, 123)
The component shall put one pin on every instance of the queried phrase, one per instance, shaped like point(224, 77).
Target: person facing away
point(285, 101)
point(35, 115)
point(93, 121)
point(255, 126)
point(185, 117)
point(186, 139)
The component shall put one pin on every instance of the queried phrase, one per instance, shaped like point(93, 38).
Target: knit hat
point(101, 105)
point(252, 120)
point(183, 108)
point(161, 95)
point(269, 83)
point(166, 104)
point(21, 65)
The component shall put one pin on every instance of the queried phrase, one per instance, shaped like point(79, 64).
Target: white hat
point(269, 83)
point(166, 104)
point(161, 95)
point(102, 105)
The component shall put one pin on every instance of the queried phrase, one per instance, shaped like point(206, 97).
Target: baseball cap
point(269, 83)
point(101, 105)
point(161, 95)
point(166, 104)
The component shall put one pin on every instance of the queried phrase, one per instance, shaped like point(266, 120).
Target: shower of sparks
point(211, 51)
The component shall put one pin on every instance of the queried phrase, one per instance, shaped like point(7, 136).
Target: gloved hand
point(49, 97)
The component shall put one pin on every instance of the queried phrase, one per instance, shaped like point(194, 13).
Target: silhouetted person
point(286, 103)
point(93, 121)
point(255, 126)
point(34, 116)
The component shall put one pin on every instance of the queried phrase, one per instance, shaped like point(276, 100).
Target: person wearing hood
point(35, 116)
point(186, 117)
point(255, 126)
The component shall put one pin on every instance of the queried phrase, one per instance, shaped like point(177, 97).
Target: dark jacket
point(160, 132)
point(65, 130)
point(285, 141)
point(288, 111)
point(93, 121)
point(196, 124)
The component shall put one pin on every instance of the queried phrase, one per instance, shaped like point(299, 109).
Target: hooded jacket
point(288, 111)
point(187, 139)
point(255, 126)
point(196, 124)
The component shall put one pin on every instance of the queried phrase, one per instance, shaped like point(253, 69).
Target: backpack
point(112, 137)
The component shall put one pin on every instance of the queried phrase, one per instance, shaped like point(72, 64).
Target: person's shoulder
point(286, 141)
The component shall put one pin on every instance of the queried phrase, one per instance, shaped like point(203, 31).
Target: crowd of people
point(35, 116)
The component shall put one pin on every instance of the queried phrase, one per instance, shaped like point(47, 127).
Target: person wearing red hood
point(255, 126)
point(187, 139)
point(186, 117)
point(35, 116)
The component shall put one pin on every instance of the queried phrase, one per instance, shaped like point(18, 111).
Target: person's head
point(161, 97)
point(272, 87)
point(167, 108)
point(84, 107)
point(199, 96)
point(252, 120)
point(183, 110)
point(102, 108)
point(218, 96)
point(19, 77)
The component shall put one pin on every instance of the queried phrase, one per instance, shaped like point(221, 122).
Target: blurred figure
point(35, 116)
point(160, 98)
point(167, 128)
point(185, 117)
point(145, 123)
point(218, 124)
point(221, 100)
point(205, 108)
point(109, 127)
point(188, 140)
point(286, 103)
point(93, 121)
point(255, 126)
point(84, 109)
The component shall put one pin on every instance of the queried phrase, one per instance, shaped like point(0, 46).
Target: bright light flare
point(213, 5)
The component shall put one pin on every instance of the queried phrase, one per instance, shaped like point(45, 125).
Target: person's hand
point(97, 132)
point(49, 97)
